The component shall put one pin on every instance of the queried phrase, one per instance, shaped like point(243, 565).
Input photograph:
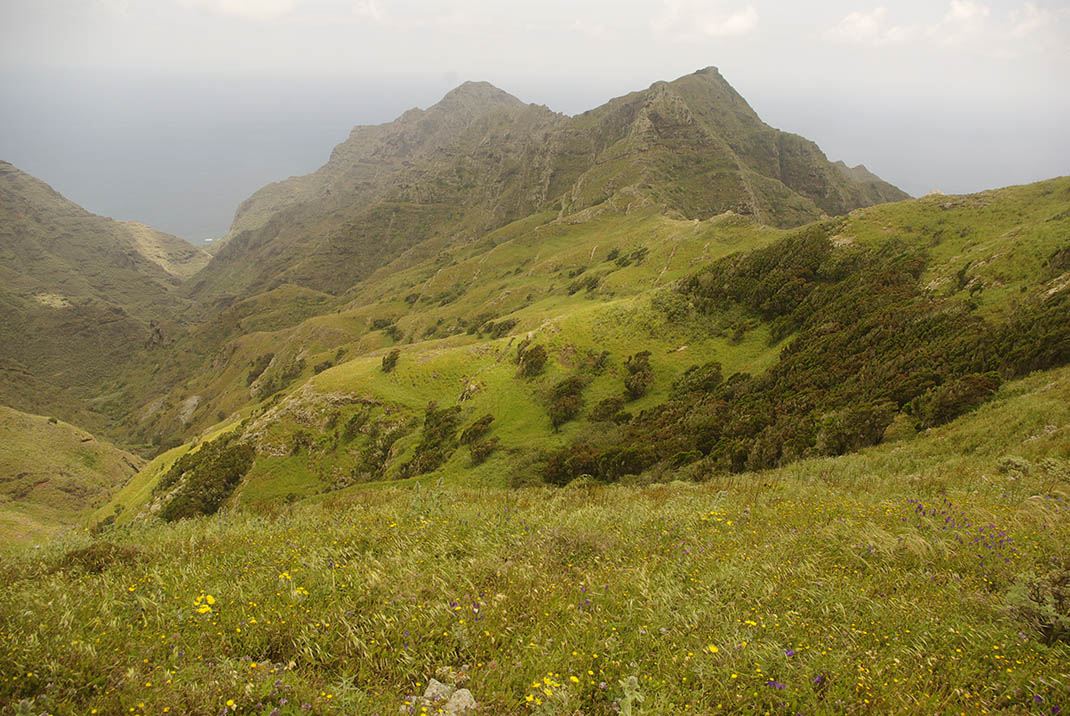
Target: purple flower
point(789, 653)
point(776, 684)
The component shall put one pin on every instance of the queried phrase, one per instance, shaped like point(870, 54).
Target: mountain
point(79, 293)
point(480, 159)
point(51, 473)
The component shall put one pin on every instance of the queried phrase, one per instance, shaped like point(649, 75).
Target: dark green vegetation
point(200, 480)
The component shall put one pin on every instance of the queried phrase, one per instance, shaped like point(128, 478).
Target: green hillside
point(816, 588)
point(51, 474)
point(821, 341)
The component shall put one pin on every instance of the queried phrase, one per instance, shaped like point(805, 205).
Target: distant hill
point(480, 159)
point(52, 472)
point(79, 293)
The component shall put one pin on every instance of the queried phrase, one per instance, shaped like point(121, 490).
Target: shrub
point(379, 324)
point(607, 409)
point(476, 430)
point(481, 450)
point(497, 329)
point(640, 375)
point(438, 442)
point(282, 378)
point(532, 361)
point(258, 366)
point(564, 409)
point(946, 402)
point(320, 367)
point(390, 360)
point(589, 282)
point(697, 379)
point(566, 400)
point(854, 428)
point(205, 478)
point(1042, 603)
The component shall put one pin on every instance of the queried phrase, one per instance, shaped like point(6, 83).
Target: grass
point(874, 583)
point(51, 474)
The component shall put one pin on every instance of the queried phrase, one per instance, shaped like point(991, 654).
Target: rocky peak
point(477, 97)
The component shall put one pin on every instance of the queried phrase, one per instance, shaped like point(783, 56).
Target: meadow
point(917, 577)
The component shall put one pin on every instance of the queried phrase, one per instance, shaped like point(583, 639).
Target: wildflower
point(713, 649)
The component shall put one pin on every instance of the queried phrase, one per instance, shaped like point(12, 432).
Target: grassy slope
point(1003, 238)
point(616, 317)
point(820, 588)
point(51, 474)
point(1000, 240)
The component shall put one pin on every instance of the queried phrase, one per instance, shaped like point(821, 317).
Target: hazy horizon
point(176, 131)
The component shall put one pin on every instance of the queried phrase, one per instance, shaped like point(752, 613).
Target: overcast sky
point(173, 111)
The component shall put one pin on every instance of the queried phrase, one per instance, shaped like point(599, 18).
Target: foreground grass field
point(896, 580)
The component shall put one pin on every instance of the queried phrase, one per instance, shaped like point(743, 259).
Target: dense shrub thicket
point(205, 478)
point(870, 343)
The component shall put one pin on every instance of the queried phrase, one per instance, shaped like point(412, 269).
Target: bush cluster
point(870, 343)
point(639, 376)
point(566, 401)
point(204, 478)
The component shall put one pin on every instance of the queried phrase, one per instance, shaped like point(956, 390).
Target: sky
point(171, 112)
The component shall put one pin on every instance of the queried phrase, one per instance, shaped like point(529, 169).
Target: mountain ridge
point(480, 158)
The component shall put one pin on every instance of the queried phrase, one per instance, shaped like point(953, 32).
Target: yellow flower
point(210, 599)
point(713, 649)
point(230, 702)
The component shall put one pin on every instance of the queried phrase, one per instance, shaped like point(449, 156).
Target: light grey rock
point(461, 702)
point(437, 691)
